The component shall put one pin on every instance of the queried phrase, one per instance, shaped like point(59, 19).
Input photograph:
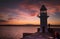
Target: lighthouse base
point(42, 31)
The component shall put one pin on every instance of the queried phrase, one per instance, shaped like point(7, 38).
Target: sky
point(25, 11)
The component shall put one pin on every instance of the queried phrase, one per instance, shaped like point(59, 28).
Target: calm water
point(16, 31)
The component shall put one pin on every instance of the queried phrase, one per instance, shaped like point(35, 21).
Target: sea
point(16, 32)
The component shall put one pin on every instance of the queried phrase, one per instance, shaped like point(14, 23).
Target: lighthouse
point(43, 19)
point(42, 32)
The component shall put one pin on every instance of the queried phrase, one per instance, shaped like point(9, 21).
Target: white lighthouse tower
point(43, 19)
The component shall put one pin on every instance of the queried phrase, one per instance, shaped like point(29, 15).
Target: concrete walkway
point(38, 36)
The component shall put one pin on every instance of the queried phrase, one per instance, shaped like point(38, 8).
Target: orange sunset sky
point(25, 11)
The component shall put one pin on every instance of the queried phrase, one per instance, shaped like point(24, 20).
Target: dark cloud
point(15, 3)
point(25, 5)
point(3, 20)
point(54, 2)
point(9, 3)
point(57, 15)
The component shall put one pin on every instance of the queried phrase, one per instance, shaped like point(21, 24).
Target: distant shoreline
point(31, 25)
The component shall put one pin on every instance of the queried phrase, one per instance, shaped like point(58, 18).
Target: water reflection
point(16, 31)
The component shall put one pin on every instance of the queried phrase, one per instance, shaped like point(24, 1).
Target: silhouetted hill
point(30, 25)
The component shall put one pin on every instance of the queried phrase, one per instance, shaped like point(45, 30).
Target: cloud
point(29, 6)
point(57, 15)
point(23, 9)
point(3, 21)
